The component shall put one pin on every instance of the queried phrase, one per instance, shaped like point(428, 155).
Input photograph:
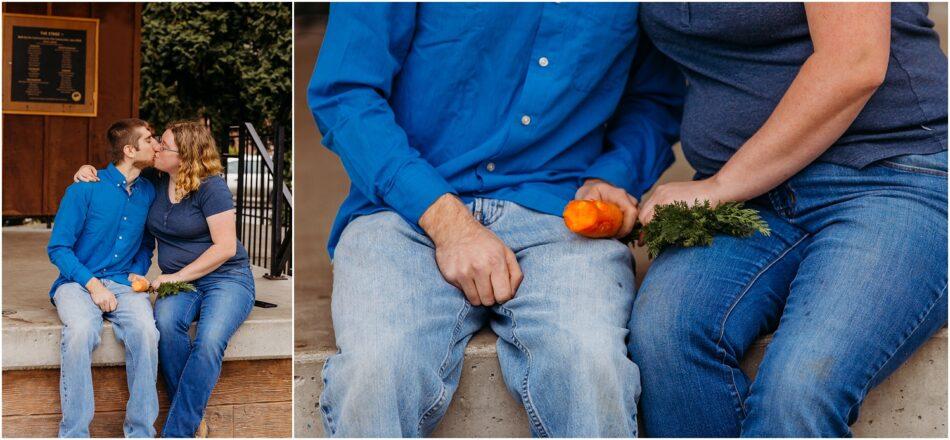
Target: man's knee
point(388, 365)
point(82, 334)
point(141, 335)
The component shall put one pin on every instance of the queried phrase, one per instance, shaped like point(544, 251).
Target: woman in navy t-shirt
point(830, 120)
point(193, 220)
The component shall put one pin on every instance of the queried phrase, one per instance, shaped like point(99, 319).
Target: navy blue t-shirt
point(739, 60)
point(182, 228)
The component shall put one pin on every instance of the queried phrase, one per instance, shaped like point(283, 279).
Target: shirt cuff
point(140, 269)
point(415, 187)
point(82, 276)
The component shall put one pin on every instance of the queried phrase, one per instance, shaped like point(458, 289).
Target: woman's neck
point(171, 187)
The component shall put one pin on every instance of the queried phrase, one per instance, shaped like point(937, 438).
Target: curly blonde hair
point(198, 153)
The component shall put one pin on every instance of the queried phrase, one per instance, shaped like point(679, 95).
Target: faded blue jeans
point(401, 329)
point(134, 326)
point(191, 368)
point(852, 281)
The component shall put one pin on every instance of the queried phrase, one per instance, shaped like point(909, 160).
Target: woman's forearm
point(851, 52)
point(822, 102)
point(207, 262)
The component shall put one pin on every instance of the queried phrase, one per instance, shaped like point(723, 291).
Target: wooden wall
point(41, 153)
point(251, 399)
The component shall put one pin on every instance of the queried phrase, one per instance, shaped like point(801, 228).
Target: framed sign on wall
point(50, 65)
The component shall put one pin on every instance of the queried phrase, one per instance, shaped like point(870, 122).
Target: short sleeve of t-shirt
point(213, 196)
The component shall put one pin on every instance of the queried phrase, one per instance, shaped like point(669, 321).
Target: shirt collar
point(113, 176)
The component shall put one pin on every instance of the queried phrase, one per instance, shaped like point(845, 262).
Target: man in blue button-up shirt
point(99, 244)
point(465, 129)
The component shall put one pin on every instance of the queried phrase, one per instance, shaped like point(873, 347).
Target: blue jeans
point(191, 368)
point(134, 326)
point(401, 329)
point(852, 280)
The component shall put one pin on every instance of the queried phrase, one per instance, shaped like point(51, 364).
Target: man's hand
point(102, 296)
point(86, 173)
point(133, 277)
point(596, 189)
point(471, 257)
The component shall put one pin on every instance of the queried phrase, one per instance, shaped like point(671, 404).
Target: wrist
point(92, 284)
point(593, 181)
point(444, 217)
point(724, 189)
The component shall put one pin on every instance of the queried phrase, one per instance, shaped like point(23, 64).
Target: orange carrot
point(140, 285)
point(593, 218)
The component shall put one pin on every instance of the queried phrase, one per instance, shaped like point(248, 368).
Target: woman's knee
point(169, 324)
point(211, 343)
point(666, 325)
point(805, 390)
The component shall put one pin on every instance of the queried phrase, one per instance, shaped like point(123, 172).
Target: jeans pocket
point(929, 164)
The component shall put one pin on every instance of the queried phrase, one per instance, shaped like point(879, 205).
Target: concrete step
point(32, 329)
point(911, 403)
point(253, 397)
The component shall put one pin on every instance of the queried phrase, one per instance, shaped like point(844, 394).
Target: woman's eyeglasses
point(162, 146)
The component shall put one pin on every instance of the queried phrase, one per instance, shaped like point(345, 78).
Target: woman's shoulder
point(213, 186)
point(214, 181)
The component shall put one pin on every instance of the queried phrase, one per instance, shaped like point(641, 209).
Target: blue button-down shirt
point(99, 230)
point(516, 102)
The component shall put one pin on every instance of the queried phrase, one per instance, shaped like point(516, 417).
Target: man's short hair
point(123, 133)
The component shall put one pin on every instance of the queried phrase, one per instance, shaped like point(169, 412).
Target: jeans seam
point(525, 394)
point(191, 345)
point(913, 169)
point(440, 399)
point(323, 401)
point(877, 370)
point(725, 318)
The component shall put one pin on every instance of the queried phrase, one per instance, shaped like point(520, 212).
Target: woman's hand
point(165, 278)
point(86, 173)
point(697, 190)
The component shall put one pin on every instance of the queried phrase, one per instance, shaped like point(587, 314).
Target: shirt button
point(525, 120)
point(490, 167)
point(117, 255)
point(125, 218)
point(120, 237)
point(543, 61)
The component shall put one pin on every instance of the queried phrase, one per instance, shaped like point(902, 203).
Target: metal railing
point(256, 173)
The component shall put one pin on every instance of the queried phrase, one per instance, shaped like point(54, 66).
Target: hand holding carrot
point(139, 283)
point(674, 224)
point(623, 211)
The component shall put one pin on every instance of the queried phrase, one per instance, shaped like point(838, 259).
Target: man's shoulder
point(81, 189)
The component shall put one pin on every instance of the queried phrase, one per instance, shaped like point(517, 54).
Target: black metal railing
point(256, 171)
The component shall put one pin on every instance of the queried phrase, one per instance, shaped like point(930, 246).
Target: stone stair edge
point(320, 355)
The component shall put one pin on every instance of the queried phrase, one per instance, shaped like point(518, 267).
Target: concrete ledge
point(32, 330)
point(910, 403)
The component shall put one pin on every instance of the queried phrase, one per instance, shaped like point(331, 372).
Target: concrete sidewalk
point(32, 330)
